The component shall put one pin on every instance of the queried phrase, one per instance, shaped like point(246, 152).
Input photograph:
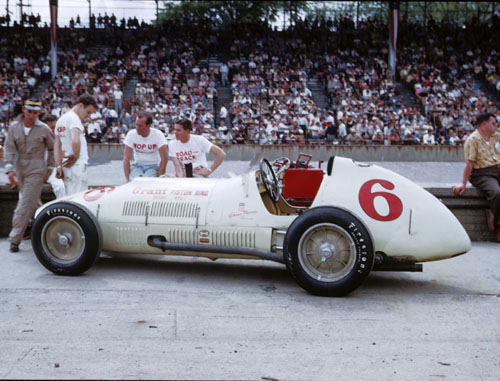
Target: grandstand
point(317, 81)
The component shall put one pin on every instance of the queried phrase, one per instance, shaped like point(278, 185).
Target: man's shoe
point(14, 247)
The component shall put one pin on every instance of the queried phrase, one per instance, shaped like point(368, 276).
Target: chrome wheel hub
point(327, 252)
point(63, 239)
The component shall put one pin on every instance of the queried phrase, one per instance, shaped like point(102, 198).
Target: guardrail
point(470, 209)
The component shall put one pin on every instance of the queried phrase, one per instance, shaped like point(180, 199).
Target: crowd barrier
point(247, 152)
point(470, 208)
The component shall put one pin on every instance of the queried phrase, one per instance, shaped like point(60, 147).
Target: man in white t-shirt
point(118, 95)
point(149, 147)
point(429, 138)
point(70, 149)
point(223, 113)
point(191, 150)
point(224, 70)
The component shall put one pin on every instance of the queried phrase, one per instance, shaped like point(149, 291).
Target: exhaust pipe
point(411, 267)
point(160, 243)
point(395, 266)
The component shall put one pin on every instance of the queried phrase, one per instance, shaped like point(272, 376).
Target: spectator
point(429, 138)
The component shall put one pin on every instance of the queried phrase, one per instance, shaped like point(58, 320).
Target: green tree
point(225, 12)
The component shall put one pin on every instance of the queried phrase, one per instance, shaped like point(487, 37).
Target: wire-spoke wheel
point(328, 251)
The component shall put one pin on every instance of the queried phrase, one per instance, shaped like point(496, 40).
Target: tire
point(328, 251)
point(66, 238)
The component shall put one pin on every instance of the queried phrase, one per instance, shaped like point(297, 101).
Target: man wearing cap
point(482, 165)
point(28, 139)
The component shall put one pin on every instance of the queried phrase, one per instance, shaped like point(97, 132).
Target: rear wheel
point(328, 251)
point(66, 238)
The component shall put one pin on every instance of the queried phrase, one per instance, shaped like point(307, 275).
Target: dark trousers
point(488, 180)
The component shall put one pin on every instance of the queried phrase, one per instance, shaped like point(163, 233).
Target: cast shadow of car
point(268, 276)
point(402, 283)
point(182, 269)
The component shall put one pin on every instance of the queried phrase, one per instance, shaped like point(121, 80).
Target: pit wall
point(249, 152)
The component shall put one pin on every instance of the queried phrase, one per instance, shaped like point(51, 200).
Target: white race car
point(330, 226)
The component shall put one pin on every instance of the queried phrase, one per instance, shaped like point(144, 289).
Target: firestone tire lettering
point(92, 243)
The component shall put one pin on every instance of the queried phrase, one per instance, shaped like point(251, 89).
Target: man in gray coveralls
point(28, 139)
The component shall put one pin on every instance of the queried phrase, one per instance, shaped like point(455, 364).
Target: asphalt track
point(151, 317)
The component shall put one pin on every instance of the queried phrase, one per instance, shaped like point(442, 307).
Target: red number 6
point(367, 197)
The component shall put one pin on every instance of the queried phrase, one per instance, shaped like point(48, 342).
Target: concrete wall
point(8, 202)
point(470, 209)
point(248, 152)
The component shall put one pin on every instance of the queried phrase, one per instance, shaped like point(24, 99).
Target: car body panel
point(406, 222)
point(421, 228)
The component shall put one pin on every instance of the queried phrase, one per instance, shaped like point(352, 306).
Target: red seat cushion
point(300, 185)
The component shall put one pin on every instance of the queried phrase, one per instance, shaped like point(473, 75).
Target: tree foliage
point(231, 11)
point(223, 12)
point(418, 11)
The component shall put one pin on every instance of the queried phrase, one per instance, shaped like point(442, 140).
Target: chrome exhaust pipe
point(161, 243)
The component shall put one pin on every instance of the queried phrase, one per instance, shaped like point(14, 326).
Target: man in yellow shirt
point(482, 164)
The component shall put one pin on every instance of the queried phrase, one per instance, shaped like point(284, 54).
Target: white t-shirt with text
point(146, 149)
point(63, 127)
point(194, 151)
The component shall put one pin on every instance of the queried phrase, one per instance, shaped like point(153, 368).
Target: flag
point(53, 36)
point(393, 33)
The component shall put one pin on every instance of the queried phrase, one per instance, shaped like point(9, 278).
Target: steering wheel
point(280, 165)
point(269, 179)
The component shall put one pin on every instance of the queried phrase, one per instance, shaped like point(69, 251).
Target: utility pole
point(20, 4)
point(7, 13)
point(425, 16)
point(357, 14)
point(157, 14)
point(90, 11)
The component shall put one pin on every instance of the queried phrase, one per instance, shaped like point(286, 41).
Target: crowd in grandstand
point(268, 73)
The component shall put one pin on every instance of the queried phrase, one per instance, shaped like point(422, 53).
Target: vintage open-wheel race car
point(330, 226)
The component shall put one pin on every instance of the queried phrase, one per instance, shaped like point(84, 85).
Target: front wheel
point(328, 251)
point(66, 238)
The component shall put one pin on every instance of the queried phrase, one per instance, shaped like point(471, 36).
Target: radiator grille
point(134, 208)
point(173, 209)
point(130, 236)
point(182, 236)
point(225, 238)
point(160, 209)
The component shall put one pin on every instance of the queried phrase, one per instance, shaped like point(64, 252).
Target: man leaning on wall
point(482, 165)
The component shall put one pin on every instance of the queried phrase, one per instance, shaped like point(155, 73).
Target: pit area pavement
point(158, 317)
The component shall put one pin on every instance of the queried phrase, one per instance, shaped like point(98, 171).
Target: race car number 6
point(367, 200)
